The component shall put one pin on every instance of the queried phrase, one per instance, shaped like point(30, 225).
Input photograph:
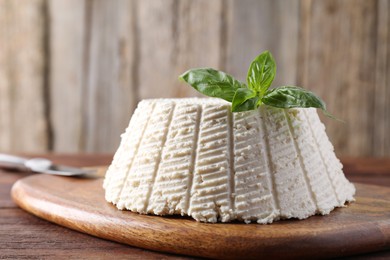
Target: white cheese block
point(194, 157)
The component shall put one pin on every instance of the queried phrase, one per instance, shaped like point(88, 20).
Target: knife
point(40, 165)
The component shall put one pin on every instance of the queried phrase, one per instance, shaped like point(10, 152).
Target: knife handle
point(12, 162)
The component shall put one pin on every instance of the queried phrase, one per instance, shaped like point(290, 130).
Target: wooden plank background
point(72, 71)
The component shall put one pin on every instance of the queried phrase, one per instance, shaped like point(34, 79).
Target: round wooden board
point(79, 204)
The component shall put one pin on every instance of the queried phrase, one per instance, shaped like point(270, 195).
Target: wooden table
point(23, 235)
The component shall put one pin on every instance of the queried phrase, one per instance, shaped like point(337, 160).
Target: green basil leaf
point(240, 99)
point(250, 104)
point(291, 96)
point(261, 72)
point(212, 83)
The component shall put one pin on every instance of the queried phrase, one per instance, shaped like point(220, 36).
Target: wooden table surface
point(24, 236)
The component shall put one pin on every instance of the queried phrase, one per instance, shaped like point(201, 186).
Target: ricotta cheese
point(194, 157)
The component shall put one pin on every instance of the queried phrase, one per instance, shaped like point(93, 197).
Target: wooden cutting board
point(363, 226)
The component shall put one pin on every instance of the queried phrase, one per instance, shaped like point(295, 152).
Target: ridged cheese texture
point(194, 157)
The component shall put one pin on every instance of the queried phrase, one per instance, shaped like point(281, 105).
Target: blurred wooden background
point(72, 71)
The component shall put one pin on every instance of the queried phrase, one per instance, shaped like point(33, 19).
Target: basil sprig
point(244, 97)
